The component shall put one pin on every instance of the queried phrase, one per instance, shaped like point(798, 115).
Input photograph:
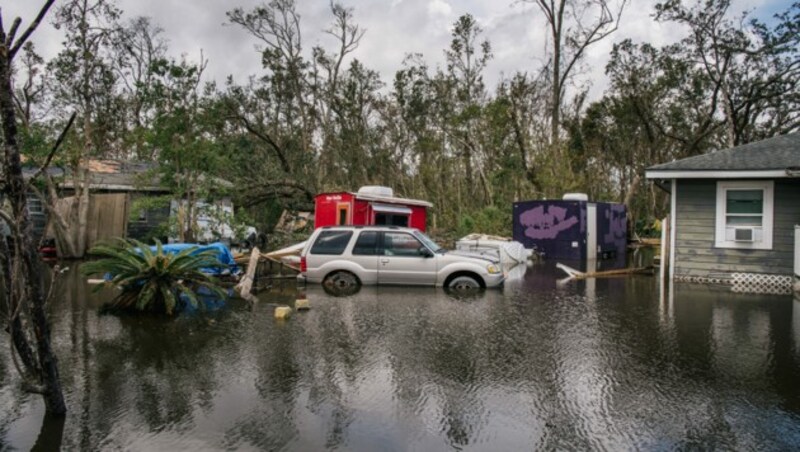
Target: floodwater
point(598, 364)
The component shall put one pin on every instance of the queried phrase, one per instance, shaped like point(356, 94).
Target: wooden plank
point(106, 217)
point(245, 286)
point(283, 264)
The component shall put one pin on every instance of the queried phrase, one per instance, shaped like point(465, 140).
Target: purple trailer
point(572, 229)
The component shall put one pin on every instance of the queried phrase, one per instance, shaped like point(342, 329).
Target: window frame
point(343, 207)
point(34, 205)
point(390, 217)
point(767, 214)
point(376, 247)
point(383, 248)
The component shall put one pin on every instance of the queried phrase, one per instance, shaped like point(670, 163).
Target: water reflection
point(603, 364)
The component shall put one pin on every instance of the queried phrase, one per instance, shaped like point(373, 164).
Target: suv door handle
point(384, 261)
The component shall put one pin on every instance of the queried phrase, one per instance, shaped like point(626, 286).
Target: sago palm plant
point(152, 280)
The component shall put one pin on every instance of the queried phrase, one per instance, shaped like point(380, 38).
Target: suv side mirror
point(425, 252)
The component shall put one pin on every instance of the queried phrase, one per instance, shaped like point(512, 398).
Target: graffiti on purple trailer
point(546, 222)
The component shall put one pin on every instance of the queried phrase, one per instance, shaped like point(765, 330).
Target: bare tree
point(574, 25)
point(138, 46)
point(22, 275)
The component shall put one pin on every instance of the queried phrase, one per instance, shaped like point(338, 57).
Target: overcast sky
point(394, 28)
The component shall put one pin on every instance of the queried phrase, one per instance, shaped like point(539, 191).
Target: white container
point(575, 197)
point(376, 190)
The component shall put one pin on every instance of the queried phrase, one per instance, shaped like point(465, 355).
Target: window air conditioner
point(743, 235)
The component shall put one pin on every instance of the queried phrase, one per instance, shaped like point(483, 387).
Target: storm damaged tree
point(182, 133)
point(525, 99)
point(138, 48)
point(84, 81)
point(276, 110)
point(573, 26)
point(753, 68)
point(24, 288)
point(342, 111)
point(466, 59)
point(298, 112)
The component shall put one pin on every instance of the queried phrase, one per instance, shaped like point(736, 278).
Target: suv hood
point(486, 257)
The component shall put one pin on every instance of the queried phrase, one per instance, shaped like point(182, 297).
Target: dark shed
point(572, 228)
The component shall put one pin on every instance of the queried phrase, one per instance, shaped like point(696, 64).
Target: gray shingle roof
point(777, 153)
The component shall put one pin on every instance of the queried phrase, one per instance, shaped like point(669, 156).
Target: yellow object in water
point(301, 304)
point(283, 312)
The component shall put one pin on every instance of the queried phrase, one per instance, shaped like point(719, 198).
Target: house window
point(34, 204)
point(744, 215)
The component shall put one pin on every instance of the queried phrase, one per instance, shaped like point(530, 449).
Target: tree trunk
point(25, 251)
point(555, 112)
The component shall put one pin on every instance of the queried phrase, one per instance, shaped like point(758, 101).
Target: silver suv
point(341, 256)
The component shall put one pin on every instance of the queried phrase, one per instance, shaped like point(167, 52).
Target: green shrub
point(489, 220)
point(151, 280)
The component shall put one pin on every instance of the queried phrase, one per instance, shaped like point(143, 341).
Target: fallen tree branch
point(577, 274)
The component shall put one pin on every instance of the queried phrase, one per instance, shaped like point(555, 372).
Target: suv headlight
point(493, 269)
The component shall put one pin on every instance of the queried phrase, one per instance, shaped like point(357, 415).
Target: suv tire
point(464, 283)
point(341, 280)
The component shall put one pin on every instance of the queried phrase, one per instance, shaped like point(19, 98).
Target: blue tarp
point(222, 252)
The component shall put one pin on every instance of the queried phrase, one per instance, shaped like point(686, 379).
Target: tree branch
point(30, 29)
point(266, 138)
point(57, 144)
point(13, 31)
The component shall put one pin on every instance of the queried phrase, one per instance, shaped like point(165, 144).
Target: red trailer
point(371, 205)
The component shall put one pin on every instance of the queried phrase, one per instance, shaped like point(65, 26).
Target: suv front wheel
point(464, 283)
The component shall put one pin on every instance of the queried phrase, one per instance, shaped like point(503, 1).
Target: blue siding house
point(733, 213)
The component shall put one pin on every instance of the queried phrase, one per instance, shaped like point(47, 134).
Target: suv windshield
point(427, 241)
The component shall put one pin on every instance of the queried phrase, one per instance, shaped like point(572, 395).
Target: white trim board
point(672, 233)
point(717, 174)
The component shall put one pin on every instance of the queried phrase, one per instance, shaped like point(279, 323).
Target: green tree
point(85, 82)
point(753, 69)
point(189, 153)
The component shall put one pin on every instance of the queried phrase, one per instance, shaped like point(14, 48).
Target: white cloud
point(439, 8)
point(394, 28)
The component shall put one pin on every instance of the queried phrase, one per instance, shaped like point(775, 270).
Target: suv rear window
point(366, 244)
point(331, 242)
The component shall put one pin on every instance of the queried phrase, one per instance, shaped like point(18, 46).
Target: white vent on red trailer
point(376, 190)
